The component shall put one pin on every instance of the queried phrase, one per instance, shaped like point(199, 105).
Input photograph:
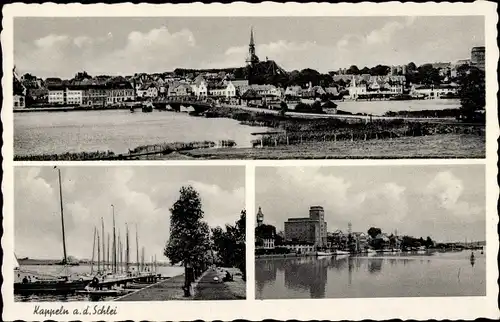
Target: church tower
point(260, 218)
point(252, 57)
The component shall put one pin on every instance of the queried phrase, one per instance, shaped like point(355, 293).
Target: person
point(25, 280)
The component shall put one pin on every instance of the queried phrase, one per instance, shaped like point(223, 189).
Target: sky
point(445, 203)
point(60, 46)
point(140, 195)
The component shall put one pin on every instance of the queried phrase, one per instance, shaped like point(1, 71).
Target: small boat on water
point(324, 254)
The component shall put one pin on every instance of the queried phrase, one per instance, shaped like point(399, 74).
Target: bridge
point(199, 105)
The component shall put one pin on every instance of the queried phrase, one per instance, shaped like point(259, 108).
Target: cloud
point(447, 191)
point(155, 50)
point(425, 206)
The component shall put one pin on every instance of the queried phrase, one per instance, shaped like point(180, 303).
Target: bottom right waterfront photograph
point(370, 231)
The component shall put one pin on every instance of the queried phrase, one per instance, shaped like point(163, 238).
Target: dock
point(123, 281)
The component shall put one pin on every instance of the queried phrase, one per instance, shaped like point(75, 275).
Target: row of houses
point(367, 87)
point(91, 95)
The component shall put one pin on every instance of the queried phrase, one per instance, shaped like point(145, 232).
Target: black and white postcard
point(217, 162)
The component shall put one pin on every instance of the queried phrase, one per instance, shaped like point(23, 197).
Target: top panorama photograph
point(247, 88)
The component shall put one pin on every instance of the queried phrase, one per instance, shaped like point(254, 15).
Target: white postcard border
point(251, 309)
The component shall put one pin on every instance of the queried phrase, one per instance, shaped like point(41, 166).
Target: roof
point(251, 94)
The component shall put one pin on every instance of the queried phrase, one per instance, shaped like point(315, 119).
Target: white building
point(303, 249)
point(56, 96)
point(74, 96)
point(268, 243)
point(200, 90)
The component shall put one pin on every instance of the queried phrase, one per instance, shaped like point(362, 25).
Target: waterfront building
point(19, 91)
point(477, 57)
point(95, 95)
point(200, 88)
point(434, 91)
point(120, 92)
point(74, 95)
point(148, 90)
point(300, 248)
point(179, 89)
point(260, 218)
point(57, 95)
point(310, 229)
point(293, 91)
point(367, 86)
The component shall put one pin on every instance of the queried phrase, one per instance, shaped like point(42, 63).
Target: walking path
point(208, 289)
point(170, 289)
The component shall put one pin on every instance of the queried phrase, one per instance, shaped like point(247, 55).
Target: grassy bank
point(435, 146)
point(141, 152)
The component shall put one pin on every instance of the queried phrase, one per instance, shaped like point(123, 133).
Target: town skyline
point(117, 46)
point(140, 195)
point(447, 205)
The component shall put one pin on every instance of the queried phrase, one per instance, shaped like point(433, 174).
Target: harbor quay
point(209, 286)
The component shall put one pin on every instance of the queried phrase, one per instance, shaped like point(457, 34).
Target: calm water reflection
point(119, 130)
point(433, 274)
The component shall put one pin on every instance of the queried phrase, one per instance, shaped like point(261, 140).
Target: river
point(381, 107)
point(405, 275)
point(118, 130)
point(168, 271)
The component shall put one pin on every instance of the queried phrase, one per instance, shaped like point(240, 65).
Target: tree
point(284, 108)
point(353, 70)
point(429, 243)
point(230, 244)
point(189, 240)
point(373, 232)
point(411, 67)
point(472, 91)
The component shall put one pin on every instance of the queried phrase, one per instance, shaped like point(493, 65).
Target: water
point(405, 275)
point(118, 130)
point(381, 107)
point(169, 271)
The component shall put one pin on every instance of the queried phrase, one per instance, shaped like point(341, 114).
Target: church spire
point(252, 57)
point(252, 43)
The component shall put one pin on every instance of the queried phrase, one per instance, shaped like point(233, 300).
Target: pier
point(123, 281)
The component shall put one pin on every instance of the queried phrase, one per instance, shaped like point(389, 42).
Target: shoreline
point(292, 131)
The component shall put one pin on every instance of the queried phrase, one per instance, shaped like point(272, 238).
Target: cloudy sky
point(446, 203)
point(62, 46)
point(141, 195)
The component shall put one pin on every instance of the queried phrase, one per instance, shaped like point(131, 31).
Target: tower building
point(252, 57)
point(260, 218)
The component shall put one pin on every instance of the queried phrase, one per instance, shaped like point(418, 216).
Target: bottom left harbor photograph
point(129, 233)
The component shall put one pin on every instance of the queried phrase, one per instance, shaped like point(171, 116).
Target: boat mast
point(137, 248)
point(98, 254)
point(127, 257)
point(114, 242)
point(93, 250)
point(103, 245)
point(65, 260)
point(107, 253)
point(142, 258)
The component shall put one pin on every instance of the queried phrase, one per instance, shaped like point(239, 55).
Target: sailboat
point(29, 282)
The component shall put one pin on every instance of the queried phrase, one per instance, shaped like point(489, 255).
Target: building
point(367, 86)
point(300, 248)
point(477, 57)
point(120, 92)
point(74, 95)
point(178, 89)
point(260, 218)
point(252, 58)
point(310, 229)
point(57, 95)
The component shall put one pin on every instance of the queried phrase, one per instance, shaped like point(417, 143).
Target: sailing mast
point(114, 242)
point(65, 260)
point(103, 245)
point(142, 258)
point(93, 250)
point(98, 254)
point(127, 257)
point(107, 253)
point(137, 248)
